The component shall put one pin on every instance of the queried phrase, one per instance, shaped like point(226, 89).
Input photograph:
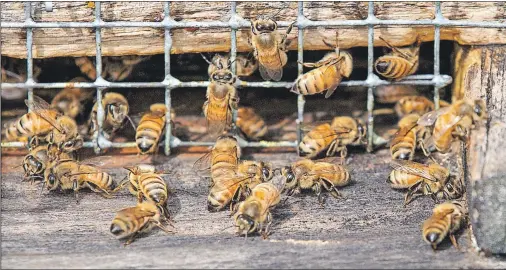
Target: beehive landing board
point(367, 229)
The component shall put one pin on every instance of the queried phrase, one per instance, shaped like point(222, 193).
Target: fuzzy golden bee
point(150, 129)
point(418, 178)
point(114, 68)
point(69, 101)
point(250, 123)
point(147, 183)
point(116, 110)
point(35, 162)
point(452, 123)
point(327, 75)
point(408, 138)
point(254, 213)
point(221, 98)
point(131, 221)
point(416, 104)
point(269, 47)
point(221, 160)
point(447, 218)
point(43, 121)
point(400, 62)
point(333, 137)
point(244, 66)
point(306, 174)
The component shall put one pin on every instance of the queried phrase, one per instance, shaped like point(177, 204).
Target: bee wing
point(271, 74)
point(412, 167)
point(203, 165)
point(42, 109)
point(430, 118)
point(96, 161)
point(216, 127)
point(233, 180)
point(405, 130)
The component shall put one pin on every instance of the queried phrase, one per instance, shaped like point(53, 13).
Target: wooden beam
point(59, 42)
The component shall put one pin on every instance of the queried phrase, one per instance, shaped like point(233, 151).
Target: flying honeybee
point(114, 68)
point(131, 221)
point(315, 176)
point(221, 160)
point(419, 179)
point(116, 111)
point(254, 213)
point(416, 104)
point(43, 121)
point(335, 137)
point(408, 138)
point(400, 62)
point(244, 65)
point(452, 123)
point(146, 183)
point(269, 47)
point(150, 129)
point(250, 123)
point(447, 218)
point(35, 162)
point(67, 174)
point(327, 75)
point(69, 101)
point(392, 93)
point(222, 98)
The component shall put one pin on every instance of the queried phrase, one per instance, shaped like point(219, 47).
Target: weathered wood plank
point(145, 41)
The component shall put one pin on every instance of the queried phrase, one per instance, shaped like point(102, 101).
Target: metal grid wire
point(436, 80)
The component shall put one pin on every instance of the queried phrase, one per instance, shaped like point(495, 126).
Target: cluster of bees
point(251, 189)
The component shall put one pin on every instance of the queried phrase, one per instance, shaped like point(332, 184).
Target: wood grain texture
point(145, 41)
point(368, 228)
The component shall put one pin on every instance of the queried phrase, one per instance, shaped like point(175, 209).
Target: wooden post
point(480, 72)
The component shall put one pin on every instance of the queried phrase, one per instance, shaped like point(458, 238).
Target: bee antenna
point(280, 9)
point(131, 122)
point(205, 58)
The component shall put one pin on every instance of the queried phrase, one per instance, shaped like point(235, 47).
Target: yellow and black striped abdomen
point(133, 185)
point(29, 124)
point(403, 145)
point(317, 140)
point(436, 228)
point(318, 80)
point(148, 132)
point(394, 67)
point(129, 222)
point(334, 173)
point(101, 180)
point(153, 187)
point(400, 180)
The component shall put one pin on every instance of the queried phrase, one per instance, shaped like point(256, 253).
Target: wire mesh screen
point(236, 22)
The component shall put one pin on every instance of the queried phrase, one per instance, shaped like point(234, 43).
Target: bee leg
point(283, 39)
point(332, 148)
point(130, 240)
point(236, 198)
point(454, 242)
point(266, 230)
point(318, 191)
point(344, 153)
point(75, 187)
point(139, 196)
point(413, 190)
point(100, 191)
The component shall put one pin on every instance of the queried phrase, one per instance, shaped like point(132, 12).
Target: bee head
point(51, 180)
point(245, 224)
point(267, 172)
point(224, 76)
point(264, 25)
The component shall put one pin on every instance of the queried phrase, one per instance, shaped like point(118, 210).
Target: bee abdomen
point(401, 180)
point(393, 67)
point(403, 147)
point(154, 187)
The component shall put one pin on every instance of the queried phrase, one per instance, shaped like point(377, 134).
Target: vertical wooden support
point(480, 72)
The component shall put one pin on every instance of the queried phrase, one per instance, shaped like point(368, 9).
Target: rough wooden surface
point(480, 74)
point(369, 228)
point(144, 41)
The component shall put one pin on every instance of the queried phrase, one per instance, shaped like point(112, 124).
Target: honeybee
point(34, 163)
point(409, 137)
point(446, 219)
point(150, 129)
point(419, 179)
point(131, 221)
point(393, 93)
point(327, 75)
point(145, 182)
point(244, 65)
point(114, 68)
point(269, 48)
point(221, 98)
point(67, 174)
point(69, 101)
point(221, 160)
point(452, 123)
point(250, 123)
point(43, 121)
point(116, 111)
point(400, 62)
point(253, 214)
point(314, 176)
point(416, 104)
point(335, 137)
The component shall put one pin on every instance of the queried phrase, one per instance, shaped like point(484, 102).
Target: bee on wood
point(244, 65)
point(131, 221)
point(69, 101)
point(68, 174)
point(222, 98)
point(306, 174)
point(416, 104)
point(115, 112)
point(387, 94)
point(419, 179)
point(269, 47)
point(221, 160)
point(327, 75)
point(43, 121)
point(146, 183)
point(150, 129)
point(254, 213)
point(250, 123)
point(400, 62)
point(452, 123)
point(408, 138)
point(447, 218)
point(333, 137)
point(114, 68)
point(35, 162)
